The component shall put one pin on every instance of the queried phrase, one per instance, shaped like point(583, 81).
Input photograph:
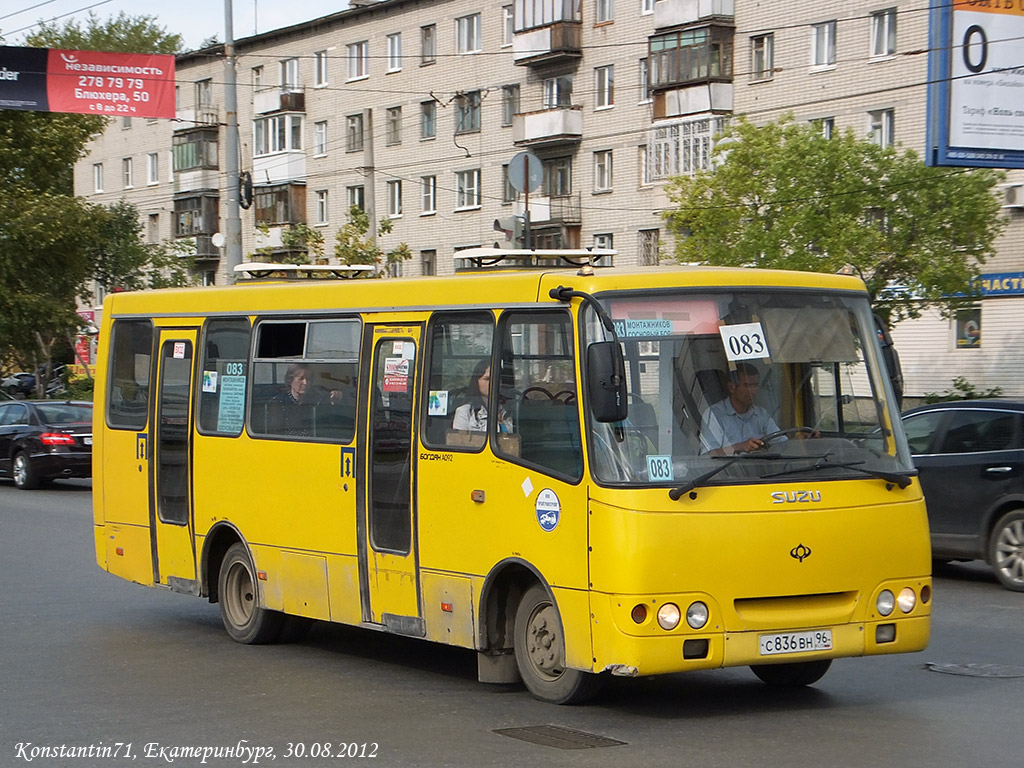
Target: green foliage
point(80, 387)
point(782, 196)
point(962, 390)
point(353, 245)
point(120, 34)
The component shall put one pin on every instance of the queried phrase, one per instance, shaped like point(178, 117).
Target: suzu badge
point(549, 509)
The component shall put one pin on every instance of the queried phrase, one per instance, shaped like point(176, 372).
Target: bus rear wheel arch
point(540, 652)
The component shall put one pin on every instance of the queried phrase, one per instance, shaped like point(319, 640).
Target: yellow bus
point(537, 464)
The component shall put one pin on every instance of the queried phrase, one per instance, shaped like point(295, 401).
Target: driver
point(736, 424)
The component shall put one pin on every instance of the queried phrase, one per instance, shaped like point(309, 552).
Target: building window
point(354, 133)
point(196, 215)
point(153, 228)
point(204, 94)
point(826, 125)
point(393, 128)
point(762, 56)
point(97, 177)
point(357, 197)
point(194, 149)
point(321, 206)
point(128, 174)
point(394, 199)
point(509, 103)
point(645, 166)
point(153, 164)
point(605, 81)
point(257, 78)
point(290, 74)
point(428, 44)
point(604, 241)
point(508, 192)
point(320, 137)
point(279, 204)
point(532, 14)
point(605, 11)
point(968, 328)
point(882, 128)
point(467, 189)
point(428, 262)
point(467, 112)
point(429, 196)
point(395, 52)
point(823, 44)
point(428, 119)
point(690, 55)
point(358, 60)
point(467, 34)
point(682, 147)
point(557, 177)
point(883, 32)
point(645, 82)
point(320, 69)
point(558, 92)
point(507, 25)
point(277, 133)
point(648, 247)
point(603, 171)
point(646, 6)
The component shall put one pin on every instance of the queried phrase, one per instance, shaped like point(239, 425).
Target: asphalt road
point(90, 662)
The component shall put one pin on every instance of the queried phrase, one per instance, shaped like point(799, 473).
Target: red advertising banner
point(87, 82)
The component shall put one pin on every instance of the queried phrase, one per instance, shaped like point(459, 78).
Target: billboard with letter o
point(87, 82)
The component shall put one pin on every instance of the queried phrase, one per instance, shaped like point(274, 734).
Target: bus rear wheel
point(540, 653)
point(793, 675)
point(245, 621)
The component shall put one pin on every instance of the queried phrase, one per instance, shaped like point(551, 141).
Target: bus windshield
point(747, 386)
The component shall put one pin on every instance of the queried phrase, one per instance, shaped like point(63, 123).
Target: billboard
point(976, 84)
point(87, 82)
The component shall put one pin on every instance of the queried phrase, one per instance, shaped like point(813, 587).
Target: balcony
point(191, 117)
point(548, 126)
point(290, 98)
point(546, 45)
point(672, 13)
point(695, 99)
point(552, 210)
point(199, 247)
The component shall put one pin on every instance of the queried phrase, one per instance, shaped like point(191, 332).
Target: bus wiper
point(675, 493)
point(902, 480)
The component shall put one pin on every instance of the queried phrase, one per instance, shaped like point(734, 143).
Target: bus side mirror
point(891, 358)
point(606, 382)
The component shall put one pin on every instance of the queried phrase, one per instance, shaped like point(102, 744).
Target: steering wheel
point(570, 396)
point(767, 439)
point(528, 390)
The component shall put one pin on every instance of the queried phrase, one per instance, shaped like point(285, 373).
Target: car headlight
point(697, 615)
point(669, 616)
point(886, 602)
point(907, 600)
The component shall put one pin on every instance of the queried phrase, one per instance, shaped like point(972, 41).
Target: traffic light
point(512, 228)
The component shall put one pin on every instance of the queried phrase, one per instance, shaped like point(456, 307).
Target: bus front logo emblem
point(800, 552)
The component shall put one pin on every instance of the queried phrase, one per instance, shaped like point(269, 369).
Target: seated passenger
point(472, 416)
point(292, 408)
point(736, 424)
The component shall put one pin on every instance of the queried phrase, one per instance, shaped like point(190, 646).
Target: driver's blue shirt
point(722, 425)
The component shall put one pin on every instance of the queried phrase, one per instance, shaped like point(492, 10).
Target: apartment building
point(414, 110)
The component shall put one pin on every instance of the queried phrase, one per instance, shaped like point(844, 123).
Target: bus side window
point(459, 342)
point(538, 379)
point(131, 352)
point(224, 377)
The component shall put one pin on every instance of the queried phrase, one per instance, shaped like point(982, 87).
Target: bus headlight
point(669, 616)
point(907, 600)
point(886, 602)
point(697, 615)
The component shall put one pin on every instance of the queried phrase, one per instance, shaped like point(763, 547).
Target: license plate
point(796, 642)
point(87, 440)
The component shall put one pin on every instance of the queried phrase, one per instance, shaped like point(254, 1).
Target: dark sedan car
point(970, 455)
point(45, 439)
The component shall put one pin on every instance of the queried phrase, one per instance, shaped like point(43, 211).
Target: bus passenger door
point(170, 480)
point(387, 517)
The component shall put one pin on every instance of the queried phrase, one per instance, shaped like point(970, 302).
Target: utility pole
point(232, 218)
point(369, 187)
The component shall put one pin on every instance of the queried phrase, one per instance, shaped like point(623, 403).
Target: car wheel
point(1006, 550)
point(793, 675)
point(540, 653)
point(25, 477)
point(245, 621)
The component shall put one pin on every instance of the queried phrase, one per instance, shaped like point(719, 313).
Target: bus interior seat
point(713, 384)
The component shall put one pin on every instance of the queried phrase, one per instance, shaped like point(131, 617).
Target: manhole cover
point(976, 670)
point(558, 737)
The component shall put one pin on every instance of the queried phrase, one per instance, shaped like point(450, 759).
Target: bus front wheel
point(540, 653)
point(244, 619)
point(794, 674)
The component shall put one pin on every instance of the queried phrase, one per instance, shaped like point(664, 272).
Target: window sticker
point(660, 468)
point(231, 407)
point(745, 341)
point(643, 328)
point(438, 403)
point(210, 381)
point(549, 509)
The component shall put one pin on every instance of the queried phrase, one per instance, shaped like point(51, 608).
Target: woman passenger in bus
point(294, 408)
point(472, 416)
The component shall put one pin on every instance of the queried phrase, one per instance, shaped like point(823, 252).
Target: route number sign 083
point(744, 341)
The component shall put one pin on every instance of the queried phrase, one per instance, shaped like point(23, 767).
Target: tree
point(782, 196)
point(353, 246)
point(119, 34)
